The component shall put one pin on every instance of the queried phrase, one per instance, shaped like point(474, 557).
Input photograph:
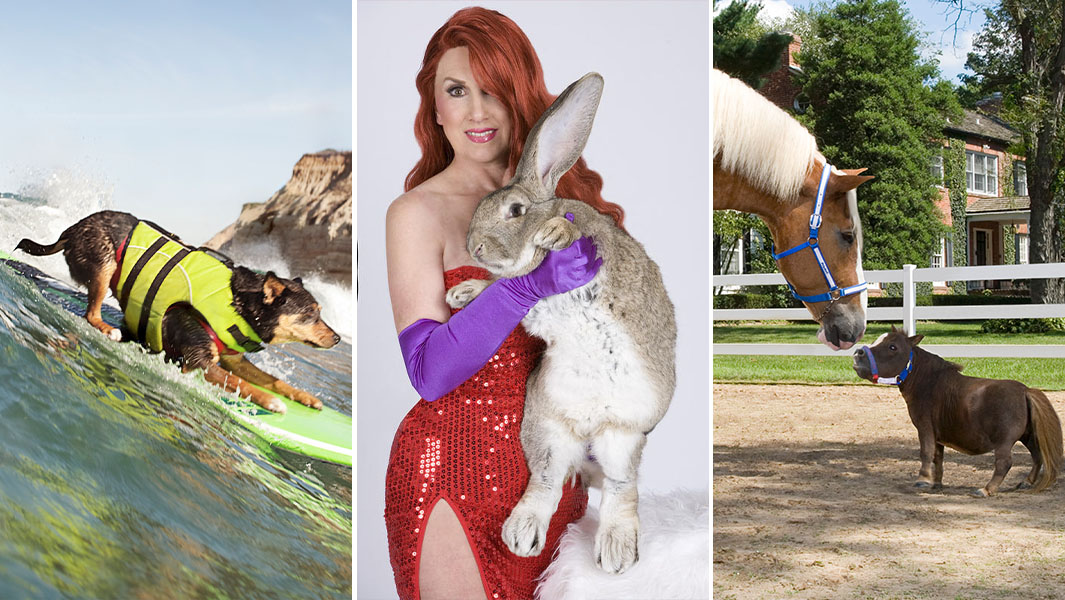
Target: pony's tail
point(1047, 430)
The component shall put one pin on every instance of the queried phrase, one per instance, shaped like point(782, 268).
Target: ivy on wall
point(954, 179)
point(1009, 232)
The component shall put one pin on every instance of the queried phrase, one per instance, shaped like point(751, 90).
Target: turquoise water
point(120, 478)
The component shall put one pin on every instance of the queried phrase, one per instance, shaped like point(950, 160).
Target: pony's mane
point(756, 140)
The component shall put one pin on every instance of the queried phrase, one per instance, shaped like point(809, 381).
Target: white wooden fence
point(909, 312)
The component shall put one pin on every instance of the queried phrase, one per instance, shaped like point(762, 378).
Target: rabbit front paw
point(464, 293)
point(556, 233)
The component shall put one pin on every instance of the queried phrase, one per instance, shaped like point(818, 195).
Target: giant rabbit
point(607, 374)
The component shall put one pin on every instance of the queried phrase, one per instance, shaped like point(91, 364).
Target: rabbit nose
point(477, 252)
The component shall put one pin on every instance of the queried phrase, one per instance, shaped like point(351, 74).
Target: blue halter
point(834, 292)
point(896, 380)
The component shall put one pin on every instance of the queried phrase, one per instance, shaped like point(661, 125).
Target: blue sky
point(935, 21)
point(180, 112)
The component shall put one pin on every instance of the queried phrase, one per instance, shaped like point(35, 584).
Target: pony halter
point(896, 380)
point(834, 291)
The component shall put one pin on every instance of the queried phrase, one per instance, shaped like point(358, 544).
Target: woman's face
point(476, 124)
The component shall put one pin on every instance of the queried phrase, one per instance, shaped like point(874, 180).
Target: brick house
point(997, 209)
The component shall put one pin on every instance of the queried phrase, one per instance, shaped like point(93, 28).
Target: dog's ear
point(916, 339)
point(298, 280)
point(272, 288)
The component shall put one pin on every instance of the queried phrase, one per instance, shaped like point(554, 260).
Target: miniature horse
point(766, 163)
point(970, 414)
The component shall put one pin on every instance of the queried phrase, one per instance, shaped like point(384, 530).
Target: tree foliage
point(876, 103)
point(743, 48)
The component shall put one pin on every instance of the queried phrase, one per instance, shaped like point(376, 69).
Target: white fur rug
point(674, 554)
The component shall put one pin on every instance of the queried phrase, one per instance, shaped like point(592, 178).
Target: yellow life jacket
point(158, 272)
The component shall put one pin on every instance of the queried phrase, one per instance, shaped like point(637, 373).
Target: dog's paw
point(115, 334)
point(524, 532)
point(616, 547)
point(464, 293)
point(555, 234)
point(307, 399)
point(273, 404)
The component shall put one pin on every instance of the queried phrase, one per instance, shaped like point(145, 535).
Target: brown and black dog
point(277, 310)
point(973, 415)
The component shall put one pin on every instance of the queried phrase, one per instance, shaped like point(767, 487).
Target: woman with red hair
point(456, 468)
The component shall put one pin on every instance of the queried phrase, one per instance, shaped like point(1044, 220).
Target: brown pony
point(767, 164)
point(970, 414)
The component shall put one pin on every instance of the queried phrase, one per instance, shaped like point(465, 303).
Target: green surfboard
point(323, 434)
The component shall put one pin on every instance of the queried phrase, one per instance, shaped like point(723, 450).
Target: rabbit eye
point(515, 210)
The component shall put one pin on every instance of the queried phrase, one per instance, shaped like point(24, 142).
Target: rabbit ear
point(557, 140)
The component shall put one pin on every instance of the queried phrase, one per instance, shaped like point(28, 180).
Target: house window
point(1022, 248)
point(981, 173)
point(938, 254)
point(728, 260)
point(937, 168)
point(1020, 178)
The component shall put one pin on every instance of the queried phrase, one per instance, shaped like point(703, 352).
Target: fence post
point(909, 299)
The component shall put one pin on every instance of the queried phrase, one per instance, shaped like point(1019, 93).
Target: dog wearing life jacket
point(191, 303)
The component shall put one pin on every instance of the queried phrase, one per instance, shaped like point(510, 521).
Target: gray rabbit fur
point(607, 374)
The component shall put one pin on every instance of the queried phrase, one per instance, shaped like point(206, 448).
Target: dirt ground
point(814, 498)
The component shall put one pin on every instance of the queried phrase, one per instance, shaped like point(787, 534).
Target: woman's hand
point(562, 270)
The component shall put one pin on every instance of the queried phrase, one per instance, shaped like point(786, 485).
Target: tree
point(743, 47)
point(876, 104)
point(1021, 53)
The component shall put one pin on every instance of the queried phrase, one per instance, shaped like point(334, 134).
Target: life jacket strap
point(245, 342)
point(153, 289)
point(157, 245)
point(120, 252)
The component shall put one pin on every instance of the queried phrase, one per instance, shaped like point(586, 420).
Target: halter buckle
point(815, 221)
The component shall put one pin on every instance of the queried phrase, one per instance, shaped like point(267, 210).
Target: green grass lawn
point(935, 332)
point(1043, 373)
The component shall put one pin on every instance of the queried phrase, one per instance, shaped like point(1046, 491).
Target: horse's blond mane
point(758, 141)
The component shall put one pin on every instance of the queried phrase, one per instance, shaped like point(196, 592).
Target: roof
point(985, 126)
point(993, 205)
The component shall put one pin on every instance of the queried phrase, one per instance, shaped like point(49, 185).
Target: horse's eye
point(848, 237)
point(892, 347)
point(515, 210)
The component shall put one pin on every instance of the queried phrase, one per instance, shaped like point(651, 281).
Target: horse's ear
point(893, 330)
point(916, 339)
point(851, 179)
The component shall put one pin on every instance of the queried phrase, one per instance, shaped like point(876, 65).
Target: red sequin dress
point(466, 448)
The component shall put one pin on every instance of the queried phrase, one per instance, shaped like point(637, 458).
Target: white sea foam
point(48, 202)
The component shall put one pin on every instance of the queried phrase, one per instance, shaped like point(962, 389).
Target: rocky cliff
point(308, 220)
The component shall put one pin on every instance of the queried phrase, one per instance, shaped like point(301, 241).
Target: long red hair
point(506, 66)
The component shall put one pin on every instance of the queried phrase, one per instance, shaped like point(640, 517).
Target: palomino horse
point(767, 164)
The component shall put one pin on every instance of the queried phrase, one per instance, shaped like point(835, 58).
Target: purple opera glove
point(560, 271)
point(440, 356)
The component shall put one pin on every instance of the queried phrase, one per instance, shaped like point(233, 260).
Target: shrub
point(1023, 325)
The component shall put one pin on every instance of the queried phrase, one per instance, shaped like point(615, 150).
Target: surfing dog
point(192, 304)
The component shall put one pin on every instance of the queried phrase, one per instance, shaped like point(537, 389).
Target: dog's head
point(280, 310)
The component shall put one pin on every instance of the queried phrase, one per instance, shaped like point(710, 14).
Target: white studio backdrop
point(651, 144)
